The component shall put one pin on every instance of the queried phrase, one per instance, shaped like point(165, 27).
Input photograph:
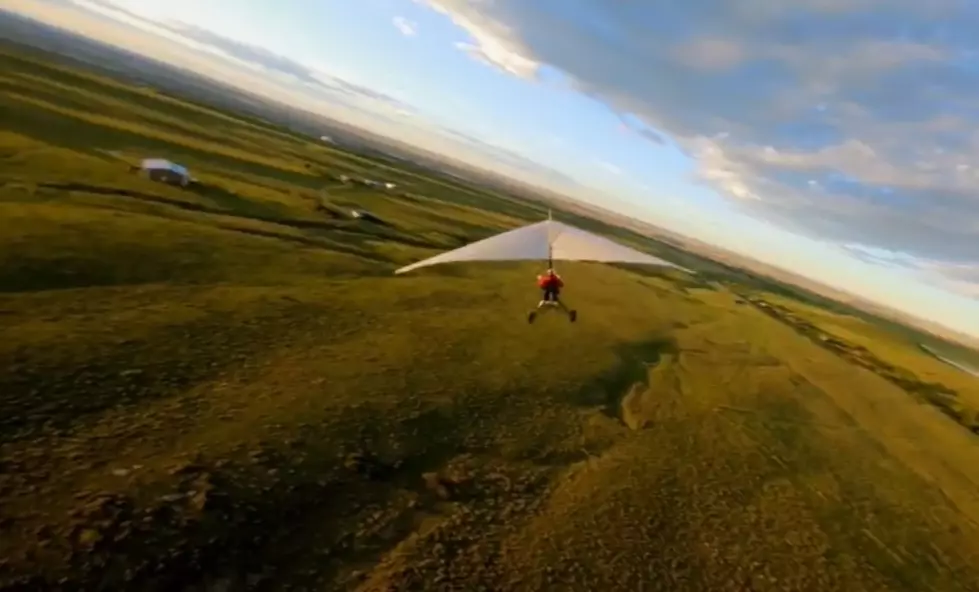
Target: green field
point(225, 387)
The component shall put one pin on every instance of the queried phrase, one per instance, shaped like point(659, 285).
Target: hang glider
point(543, 241)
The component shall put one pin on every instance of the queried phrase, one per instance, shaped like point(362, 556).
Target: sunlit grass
point(227, 384)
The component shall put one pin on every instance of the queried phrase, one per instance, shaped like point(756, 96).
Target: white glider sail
point(542, 241)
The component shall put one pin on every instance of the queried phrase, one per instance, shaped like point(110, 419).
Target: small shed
point(165, 171)
point(365, 215)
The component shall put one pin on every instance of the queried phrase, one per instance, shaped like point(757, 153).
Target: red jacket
point(549, 281)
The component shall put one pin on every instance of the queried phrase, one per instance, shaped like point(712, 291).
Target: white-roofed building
point(165, 171)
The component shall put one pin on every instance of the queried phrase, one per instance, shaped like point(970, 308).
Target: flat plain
point(224, 386)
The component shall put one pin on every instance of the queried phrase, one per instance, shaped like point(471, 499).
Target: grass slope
point(225, 388)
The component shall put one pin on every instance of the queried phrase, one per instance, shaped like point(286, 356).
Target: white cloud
point(850, 121)
point(492, 42)
point(406, 27)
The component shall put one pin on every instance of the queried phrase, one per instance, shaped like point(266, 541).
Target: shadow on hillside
point(635, 361)
point(607, 391)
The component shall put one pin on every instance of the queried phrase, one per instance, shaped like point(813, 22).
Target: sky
point(835, 138)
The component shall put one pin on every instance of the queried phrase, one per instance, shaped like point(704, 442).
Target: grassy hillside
point(225, 388)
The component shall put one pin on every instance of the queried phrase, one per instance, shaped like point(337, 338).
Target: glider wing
point(540, 242)
point(525, 243)
point(573, 244)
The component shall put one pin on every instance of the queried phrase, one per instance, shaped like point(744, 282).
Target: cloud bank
point(852, 121)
